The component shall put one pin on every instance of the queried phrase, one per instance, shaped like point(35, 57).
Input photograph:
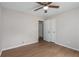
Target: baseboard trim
point(0, 53)
point(19, 45)
point(66, 46)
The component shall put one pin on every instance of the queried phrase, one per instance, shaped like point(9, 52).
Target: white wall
point(0, 29)
point(19, 29)
point(67, 27)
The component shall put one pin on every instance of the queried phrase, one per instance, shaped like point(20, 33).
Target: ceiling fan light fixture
point(45, 8)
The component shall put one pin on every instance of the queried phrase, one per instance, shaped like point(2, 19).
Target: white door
point(50, 30)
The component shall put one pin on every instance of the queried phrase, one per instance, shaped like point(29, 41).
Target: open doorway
point(41, 30)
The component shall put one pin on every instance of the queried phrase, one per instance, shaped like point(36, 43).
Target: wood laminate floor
point(42, 49)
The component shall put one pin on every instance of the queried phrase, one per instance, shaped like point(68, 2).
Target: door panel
point(50, 30)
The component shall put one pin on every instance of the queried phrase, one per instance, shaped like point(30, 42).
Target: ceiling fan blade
point(49, 3)
point(45, 11)
point(51, 6)
point(38, 8)
point(40, 3)
point(44, 3)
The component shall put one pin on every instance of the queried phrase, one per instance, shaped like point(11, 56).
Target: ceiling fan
point(45, 6)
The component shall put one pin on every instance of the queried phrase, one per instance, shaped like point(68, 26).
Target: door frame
point(42, 30)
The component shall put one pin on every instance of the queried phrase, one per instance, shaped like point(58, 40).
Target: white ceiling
point(30, 6)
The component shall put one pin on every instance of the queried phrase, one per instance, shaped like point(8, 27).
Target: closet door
point(50, 30)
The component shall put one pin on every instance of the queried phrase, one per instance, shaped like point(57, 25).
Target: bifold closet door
point(50, 30)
